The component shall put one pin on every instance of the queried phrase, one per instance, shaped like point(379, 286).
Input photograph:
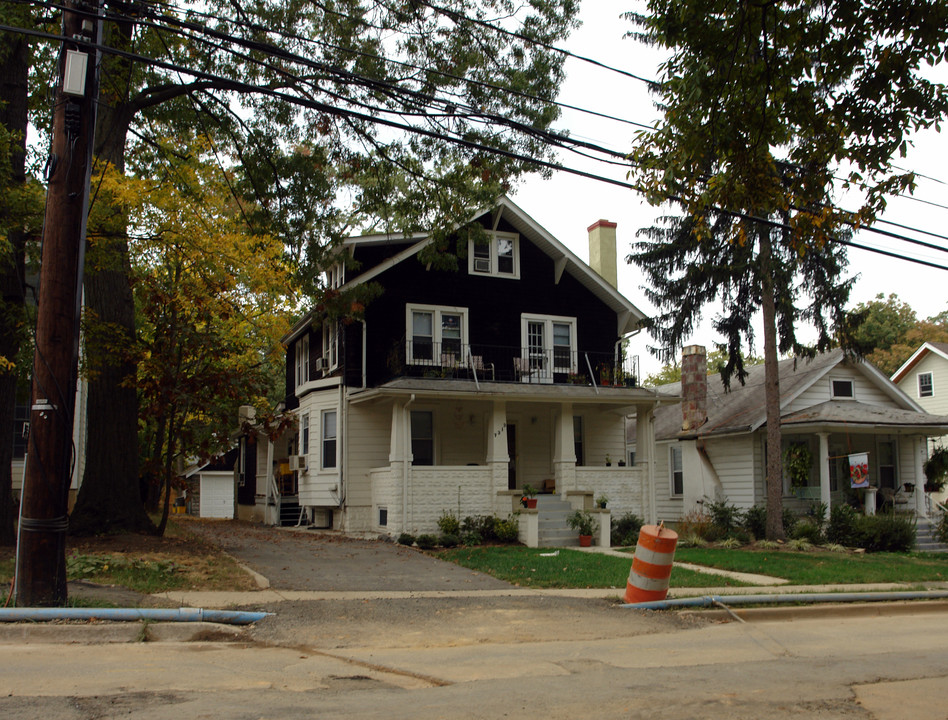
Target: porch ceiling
point(619, 397)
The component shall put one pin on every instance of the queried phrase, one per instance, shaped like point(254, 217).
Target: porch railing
point(422, 357)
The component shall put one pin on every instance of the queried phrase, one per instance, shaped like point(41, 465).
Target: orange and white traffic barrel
point(652, 564)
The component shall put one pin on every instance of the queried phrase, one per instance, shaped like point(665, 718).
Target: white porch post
point(644, 458)
point(398, 459)
point(824, 471)
point(564, 451)
point(920, 446)
point(497, 457)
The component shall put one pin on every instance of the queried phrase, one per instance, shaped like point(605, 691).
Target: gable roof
point(936, 348)
point(742, 409)
point(564, 260)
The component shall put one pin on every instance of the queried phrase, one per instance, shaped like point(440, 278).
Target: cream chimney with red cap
point(602, 251)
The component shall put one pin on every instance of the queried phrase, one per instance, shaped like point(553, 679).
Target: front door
point(512, 455)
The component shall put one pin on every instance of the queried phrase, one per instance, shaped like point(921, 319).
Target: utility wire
point(227, 83)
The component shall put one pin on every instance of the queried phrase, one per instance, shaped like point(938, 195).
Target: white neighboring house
point(924, 377)
point(712, 444)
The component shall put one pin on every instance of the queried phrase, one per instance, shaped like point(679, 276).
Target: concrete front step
point(925, 540)
point(552, 528)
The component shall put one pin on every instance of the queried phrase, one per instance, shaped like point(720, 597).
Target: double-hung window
point(328, 435)
point(302, 360)
point(498, 255)
point(422, 437)
point(331, 344)
point(436, 335)
point(304, 434)
point(926, 387)
point(676, 474)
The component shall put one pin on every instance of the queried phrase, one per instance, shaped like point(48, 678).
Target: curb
point(104, 633)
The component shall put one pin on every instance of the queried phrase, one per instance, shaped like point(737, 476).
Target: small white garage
point(216, 494)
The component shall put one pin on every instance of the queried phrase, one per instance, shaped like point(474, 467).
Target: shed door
point(217, 496)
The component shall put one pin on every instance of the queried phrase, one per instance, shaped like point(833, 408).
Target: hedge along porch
point(454, 448)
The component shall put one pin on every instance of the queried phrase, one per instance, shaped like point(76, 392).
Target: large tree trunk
point(14, 68)
point(771, 390)
point(109, 498)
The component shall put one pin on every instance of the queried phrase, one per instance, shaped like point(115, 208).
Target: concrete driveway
point(308, 560)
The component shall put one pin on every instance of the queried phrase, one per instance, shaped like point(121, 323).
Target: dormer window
point(336, 276)
point(302, 360)
point(842, 389)
point(498, 255)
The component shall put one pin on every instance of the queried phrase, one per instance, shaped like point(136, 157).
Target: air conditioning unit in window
point(298, 462)
point(322, 364)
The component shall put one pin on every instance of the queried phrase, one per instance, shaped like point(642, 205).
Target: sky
point(567, 204)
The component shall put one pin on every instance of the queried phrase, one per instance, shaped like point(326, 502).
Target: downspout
point(406, 452)
point(365, 372)
point(341, 434)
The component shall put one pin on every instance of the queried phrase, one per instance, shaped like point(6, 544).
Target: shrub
point(695, 522)
point(426, 541)
point(692, 540)
point(800, 544)
point(483, 525)
point(449, 524)
point(807, 530)
point(471, 537)
point(886, 533)
point(448, 540)
point(768, 544)
point(789, 521)
point(624, 530)
point(754, 521)
point(730, 543)
point(941, 529)
point(507, 531)
point(842, 525)
point(816, 513)
point(724, 517)
point(406, 539)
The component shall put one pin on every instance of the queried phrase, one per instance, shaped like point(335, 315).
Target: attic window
point(842, 389)
point(498, 256)
point(926, 387)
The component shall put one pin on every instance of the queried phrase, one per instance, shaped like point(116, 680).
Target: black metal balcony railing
point(453, 359)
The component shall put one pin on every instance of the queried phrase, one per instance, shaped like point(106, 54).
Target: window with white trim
point(436, 335)
point(304, 434)
point(328, 440)
point(497, 256)
point(422, 437)
point(331, 344)
point(302, 360)
point(926, 386)
point(549, 342)
point(675, 472)
point(842, 388)
point(336, 276)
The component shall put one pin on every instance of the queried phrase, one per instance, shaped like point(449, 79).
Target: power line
point(227, 83)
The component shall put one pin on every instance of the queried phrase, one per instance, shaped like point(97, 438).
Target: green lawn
point(823, 567)
point(529, 567)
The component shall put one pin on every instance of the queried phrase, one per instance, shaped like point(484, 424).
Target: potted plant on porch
point(529, 499)
point(582, 522)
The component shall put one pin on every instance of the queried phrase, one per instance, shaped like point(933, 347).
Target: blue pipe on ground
point(786, 598)
point(231, 617)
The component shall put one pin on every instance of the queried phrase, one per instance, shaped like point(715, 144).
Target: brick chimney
point(602, 251)
point(694, 387)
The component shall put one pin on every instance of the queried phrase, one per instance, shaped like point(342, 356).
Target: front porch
point(453, 450)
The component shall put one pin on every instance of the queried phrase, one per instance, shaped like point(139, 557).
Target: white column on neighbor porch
point(497, 457)
point(644, 458)
point(920, 445)
point(564, 451)
point(824, 471)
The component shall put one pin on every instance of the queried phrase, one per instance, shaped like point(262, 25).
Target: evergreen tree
point(764, 105)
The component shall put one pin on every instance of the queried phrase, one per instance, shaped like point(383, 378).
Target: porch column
point(644, 458)
point(824, 471)
point(564, 451)
point(920, 445)
point(399, 460)
point(497, 457)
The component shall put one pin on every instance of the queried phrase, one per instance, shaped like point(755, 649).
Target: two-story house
point(459, 388)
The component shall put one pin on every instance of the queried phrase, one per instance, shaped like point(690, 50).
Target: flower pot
point(531, 503)
point(585, 540)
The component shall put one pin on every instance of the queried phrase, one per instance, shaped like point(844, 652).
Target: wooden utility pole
point(41, 541)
